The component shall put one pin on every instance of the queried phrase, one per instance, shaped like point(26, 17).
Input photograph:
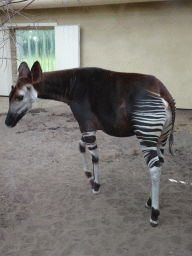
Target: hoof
point(88, 175)
point(95, 192)
point(147, 206)
point(153, 223)
point(148, 203)
point(96, 189)
point(154, 217)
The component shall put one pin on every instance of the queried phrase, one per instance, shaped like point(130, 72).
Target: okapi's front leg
point(82, 148)
point(89, 138)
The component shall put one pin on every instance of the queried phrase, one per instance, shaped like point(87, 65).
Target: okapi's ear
point(36, 72)
point(24, 70)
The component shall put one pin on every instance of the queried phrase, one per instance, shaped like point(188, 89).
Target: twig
point(17, 12)
point(83, 5)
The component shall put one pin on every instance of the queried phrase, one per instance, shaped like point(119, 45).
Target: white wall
point(67, 47)
point(5, 64)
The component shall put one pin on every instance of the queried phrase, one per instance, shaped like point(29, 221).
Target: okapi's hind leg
point(160, 153)
point(89, 139)
point(154, 164)
point(149, 119)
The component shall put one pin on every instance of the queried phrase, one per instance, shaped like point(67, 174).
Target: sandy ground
point(46, 204)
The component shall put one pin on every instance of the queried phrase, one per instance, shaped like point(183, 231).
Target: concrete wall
point(151, 38)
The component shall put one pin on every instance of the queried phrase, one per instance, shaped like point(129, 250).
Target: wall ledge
point(39, 4)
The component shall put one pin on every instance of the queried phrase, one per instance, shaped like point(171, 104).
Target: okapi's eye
point(20, 97)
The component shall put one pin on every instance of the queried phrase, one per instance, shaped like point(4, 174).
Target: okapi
point(119, 104)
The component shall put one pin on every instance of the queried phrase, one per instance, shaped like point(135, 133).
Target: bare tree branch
point(12, 2)
point(9, 8)
point(83, 5)
point(9, 14)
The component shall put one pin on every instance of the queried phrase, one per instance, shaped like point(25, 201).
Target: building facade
point(150, 37)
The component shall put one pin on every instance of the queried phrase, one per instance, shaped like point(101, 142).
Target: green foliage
point(33, 45)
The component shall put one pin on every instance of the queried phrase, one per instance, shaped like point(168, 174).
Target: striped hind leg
point(167, 127)
point(160, 153)
point(154, 164)
point(89, 139)
point(148, 121)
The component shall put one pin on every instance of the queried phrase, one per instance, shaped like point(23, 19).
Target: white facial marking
point(29, 96)
point(21, 92)
point(29, 93)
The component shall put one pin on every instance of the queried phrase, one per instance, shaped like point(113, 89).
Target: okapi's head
point(23, 94)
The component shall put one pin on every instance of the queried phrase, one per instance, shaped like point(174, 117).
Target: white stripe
point(148, 148)
point(150, 127)
point(154, 93)
point(82, 143)
point(153, 160)
point(151, 106)
point(146, 133)
point(85, 134)
point(149, 114)
point(148, 119)
point(91, 145)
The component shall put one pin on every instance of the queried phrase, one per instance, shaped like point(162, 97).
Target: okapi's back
point(135, 85)
point(107, 89)
point(110, 96)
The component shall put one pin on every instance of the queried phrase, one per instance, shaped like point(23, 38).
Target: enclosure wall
point(151, 38)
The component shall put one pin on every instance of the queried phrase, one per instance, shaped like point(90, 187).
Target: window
point(33, 45)
point(55, 47)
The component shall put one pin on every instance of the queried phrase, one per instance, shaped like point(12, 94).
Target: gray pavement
point(4, 105)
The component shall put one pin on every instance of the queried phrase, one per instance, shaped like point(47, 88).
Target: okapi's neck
point(56, 85)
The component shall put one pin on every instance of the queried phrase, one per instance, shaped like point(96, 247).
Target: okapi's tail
point(167, 96)
point(171, 142)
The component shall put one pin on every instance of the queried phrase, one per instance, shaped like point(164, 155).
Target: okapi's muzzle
point(12, 119)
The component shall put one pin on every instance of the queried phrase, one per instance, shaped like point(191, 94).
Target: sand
point(46, 204)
